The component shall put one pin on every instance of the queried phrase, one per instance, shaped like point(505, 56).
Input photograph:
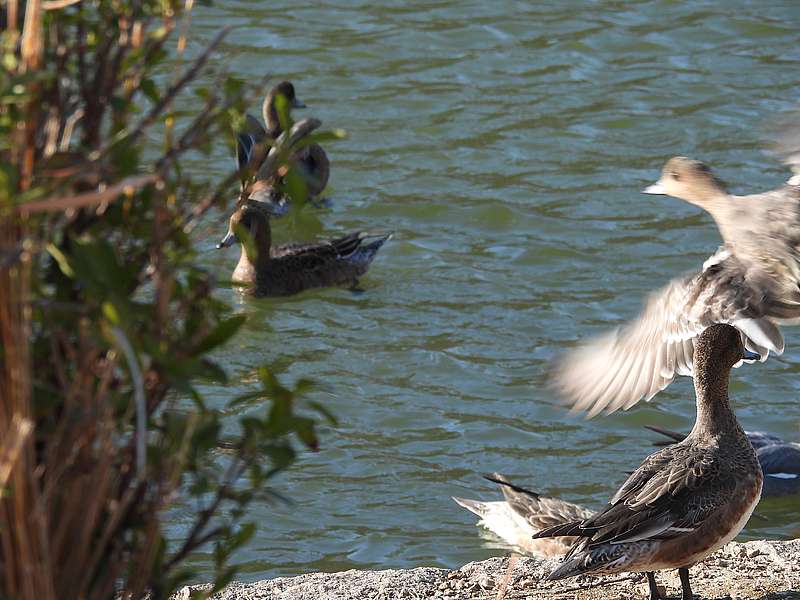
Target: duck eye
point(675, 175)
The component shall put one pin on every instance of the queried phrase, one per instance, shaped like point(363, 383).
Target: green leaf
point(149, 89)
point(61, 260)
point(323, 410)
point(110, 313)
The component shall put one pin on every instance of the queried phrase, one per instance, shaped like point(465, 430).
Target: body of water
point(505, 143)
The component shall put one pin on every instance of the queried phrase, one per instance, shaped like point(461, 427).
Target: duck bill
point(751, 356)
point(296, 103)
point(228, 240)
point(657, 188)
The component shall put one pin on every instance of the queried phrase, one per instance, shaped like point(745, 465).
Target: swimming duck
point(291, 268)
point(752, 282)
point(310, 161)
point(522, 514)
point(779, 460)
point(686, 500)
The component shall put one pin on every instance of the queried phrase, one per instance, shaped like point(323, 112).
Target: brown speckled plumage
point(294, 267)
point(685, 500)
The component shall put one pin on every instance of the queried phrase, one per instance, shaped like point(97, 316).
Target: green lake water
point(505, 144)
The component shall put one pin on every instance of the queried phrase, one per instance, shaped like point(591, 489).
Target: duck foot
point(651, 582)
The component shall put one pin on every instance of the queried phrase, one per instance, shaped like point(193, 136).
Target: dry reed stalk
point(11, 446)
point(23, 540)
point(111, 193)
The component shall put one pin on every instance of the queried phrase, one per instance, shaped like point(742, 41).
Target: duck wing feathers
point(321, 252)
point(537, 510)
point(673, 492)
point(248, 153)
point(640, 359)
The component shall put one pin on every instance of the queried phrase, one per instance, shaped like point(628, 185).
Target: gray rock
point(753, 571)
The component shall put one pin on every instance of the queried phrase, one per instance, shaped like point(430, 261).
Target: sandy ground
point(755, 570)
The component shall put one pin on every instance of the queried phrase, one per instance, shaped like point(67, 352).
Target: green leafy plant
point(107, 323)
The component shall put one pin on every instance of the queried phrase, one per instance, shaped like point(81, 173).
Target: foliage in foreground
point(105, 318)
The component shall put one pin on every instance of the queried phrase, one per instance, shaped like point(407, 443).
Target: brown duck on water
point(269, 270)
point(291, 268)
point(311, 161)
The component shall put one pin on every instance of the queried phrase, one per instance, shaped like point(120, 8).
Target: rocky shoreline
point(756, 570)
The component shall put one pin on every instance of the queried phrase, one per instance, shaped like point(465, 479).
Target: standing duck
point(310, 162)
point(522, 514)
point(292, 268)
point(752, 282)
point(779, 460)
point(686, 500)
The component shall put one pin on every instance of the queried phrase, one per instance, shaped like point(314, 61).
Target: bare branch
point(58, 4)
point(188, 76)
point(58, 203)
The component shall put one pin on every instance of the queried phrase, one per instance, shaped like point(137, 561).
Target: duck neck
point(257, 254)
point(271, 119)
point(721, 209)
point(714, 413)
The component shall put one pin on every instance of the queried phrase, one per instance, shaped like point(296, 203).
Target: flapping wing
point(786, 143)
point(637, 361)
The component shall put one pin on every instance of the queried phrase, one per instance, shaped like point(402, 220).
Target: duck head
point(720, 347)
point(284, 89)
point(689, 180)
point(249, 223)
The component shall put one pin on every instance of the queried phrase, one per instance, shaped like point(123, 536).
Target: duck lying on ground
point(686, 500)
point(779, 460)
point(752, 283)
point(310, 161)
point(524, 513)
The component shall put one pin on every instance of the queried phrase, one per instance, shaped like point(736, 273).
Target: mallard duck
point(522, 514)
point(291, 268)
point(752, 282)
point(686, 500)
point(779, 460)
point(251, 149)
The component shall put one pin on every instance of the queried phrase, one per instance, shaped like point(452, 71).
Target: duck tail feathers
point(505, 483)
point(601, 560)
point(373, 241)
point(572, 528)
point(568, 568)
point(673, 436)
point(366, 246)
point(474, 506)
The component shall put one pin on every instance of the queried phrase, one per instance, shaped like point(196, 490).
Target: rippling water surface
point(506, 145)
